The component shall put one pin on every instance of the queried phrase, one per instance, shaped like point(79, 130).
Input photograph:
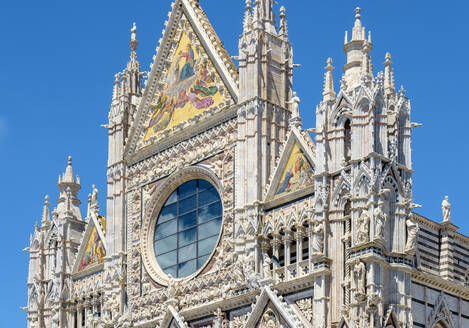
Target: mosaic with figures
point(190, 86)
point(94, 252)
point(298, 173)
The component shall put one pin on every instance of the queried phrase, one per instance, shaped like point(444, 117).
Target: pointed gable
point(294, 176)
point(173, 319)
point(92, 249)
point(271, 311)
point(191, 85)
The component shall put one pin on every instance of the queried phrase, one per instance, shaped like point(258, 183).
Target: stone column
point(275, 251)
point(287, 239)
point(299, 249)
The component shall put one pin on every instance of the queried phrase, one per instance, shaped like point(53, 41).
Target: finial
point(283, 30)
point(282, 11)
point(358, 11)
point(388, 59)
point(388, 75)
point(45, 212)
point(328, 93)
point(69, 160)
point(133, 38)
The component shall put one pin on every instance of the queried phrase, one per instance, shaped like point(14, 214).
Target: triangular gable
point(294, 176)
point(258, 311)
point(343, 323)
point(92, 250)
point(191, 85)
point(172, 319)
point(441, 313)
point(390, 319)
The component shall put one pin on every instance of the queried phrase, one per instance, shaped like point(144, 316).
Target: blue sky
point(58, 64)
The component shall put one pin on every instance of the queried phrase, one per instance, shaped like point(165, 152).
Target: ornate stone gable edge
point(172, 313)
point(268, 295)
point(185, 134)
point(179, 8)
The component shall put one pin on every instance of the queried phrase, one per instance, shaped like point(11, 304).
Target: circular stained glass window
point(187, 228)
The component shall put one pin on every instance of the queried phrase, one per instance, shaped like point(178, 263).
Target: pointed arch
point(441, 316)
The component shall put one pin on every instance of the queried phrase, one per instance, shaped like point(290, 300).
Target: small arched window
point(347, 140)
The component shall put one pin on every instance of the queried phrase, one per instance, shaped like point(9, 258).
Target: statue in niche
point(266, 264)
point(412, 231)
point(446, 208)
point(359, 279)
point(382, 213)
point(363, 234)
point(318, 238)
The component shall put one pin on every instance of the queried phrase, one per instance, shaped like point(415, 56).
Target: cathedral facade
point(222, 211)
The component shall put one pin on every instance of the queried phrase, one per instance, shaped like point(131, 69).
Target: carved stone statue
point(266, 264)
point(295, 108)
point(318, 238)
point(412, 231)
point(382, 213)
point(250, 275)
point(446, 208)
point(363, 233)
point(359, 278)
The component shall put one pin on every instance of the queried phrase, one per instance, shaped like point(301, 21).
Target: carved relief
point(306, 307)
point(363, 228)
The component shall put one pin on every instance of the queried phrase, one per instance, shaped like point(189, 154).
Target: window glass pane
point(204, 185)
point(206, 246)
point(167, 213)
point(172, 270)
point(201, 261)
point(187, 189)
point(209, 212)
point(187, 221)
point(188, 228)
point(209, 229)
point(165, 229)
point(208, 196)
point(167, 260)
point(187, 253)
point(173, 198)
point(187, 237)
point(166, 245)
point(187, 205)
point(187, 268)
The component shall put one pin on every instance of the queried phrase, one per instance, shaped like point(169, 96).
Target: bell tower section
point(364, 178)
point(265, 84)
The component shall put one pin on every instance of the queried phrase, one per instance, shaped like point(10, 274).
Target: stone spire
point(133, 66)
point(68, 203)
point(45, 221)
point(68, 177)
point(283, 29)
point(264, 15)
point(329, 93)
point(357, 50)
point(388, 75)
